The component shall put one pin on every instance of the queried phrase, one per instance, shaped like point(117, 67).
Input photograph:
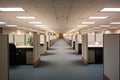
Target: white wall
point(111, 56)
point(4, 72)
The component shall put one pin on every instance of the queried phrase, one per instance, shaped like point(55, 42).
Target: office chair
point(13, 53)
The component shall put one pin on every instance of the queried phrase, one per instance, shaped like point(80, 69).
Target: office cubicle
point(79, 41)
point(95, 48)
point(43, 44)
point(4, 60)
point(22, 43)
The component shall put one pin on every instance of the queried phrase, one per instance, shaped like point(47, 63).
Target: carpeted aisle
point(60, 63)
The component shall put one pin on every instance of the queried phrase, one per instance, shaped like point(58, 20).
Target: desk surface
point(95, 45)
point(24, 46)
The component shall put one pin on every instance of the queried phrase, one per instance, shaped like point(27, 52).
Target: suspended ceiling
point(60, 15)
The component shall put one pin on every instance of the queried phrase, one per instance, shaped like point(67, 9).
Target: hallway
point(60, 63)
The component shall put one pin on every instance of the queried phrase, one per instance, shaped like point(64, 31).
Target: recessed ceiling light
point(35, 22)
point(113, 27)
point(25, 17)
point(12, 25)
point(44, 27)
point(104, 25)
point(12, 9)
point(82, 25)
point(2, 22)
point(87, 22)
point(40, 25)
point(110, 10)
point(98, 17)
point(115, 23)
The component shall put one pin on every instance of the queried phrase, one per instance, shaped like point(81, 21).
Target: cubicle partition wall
point(79, 39)
point(24, 44)
point(85, 48)
point(21, 40)
point(68, 39)
point(4, 58)
point(53, 40)
point(48, 41)
point(36, 49)
point(95, 48)
point(111, 57)
point(43, 44)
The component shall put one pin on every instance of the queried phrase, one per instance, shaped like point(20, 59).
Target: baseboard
point(105, 77)
point(85, 61)
point(37, 62)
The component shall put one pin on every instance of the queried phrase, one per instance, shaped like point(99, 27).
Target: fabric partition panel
point(111, 56)
point(4, 64)
point(85, 48)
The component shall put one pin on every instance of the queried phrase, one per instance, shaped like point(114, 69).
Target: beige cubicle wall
point(85, 48)
point(19, 39)
point(11, 38)
point(21, 43)
point(99, 39)
point(111, 57)
point(95, 48)
point(91, 39)
point(92, 48)
point(53, 39)
point(0, 30)
point(78, 44)
point(43, 43)
point(4, 62)
point(95, 39)
point(68, 38)
point(79, 37)
point(36, 49)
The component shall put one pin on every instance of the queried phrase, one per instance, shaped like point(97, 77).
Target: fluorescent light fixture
point(25, 17)
point(115, 23)
point(113, 27)
point(40, 25)
point(87, 22)
point(2, 22)
point(110, 10)
point(12, 9)
point(96, 27)
point(11, 25)
point(104, 25)
point(35, 22)
point(98, 17)
point(82, 25)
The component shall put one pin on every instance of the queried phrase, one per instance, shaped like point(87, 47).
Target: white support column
point(36, 49)
point(4, 64)
point(85, 48)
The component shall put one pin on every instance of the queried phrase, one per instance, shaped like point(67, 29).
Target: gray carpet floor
point(60, 63)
